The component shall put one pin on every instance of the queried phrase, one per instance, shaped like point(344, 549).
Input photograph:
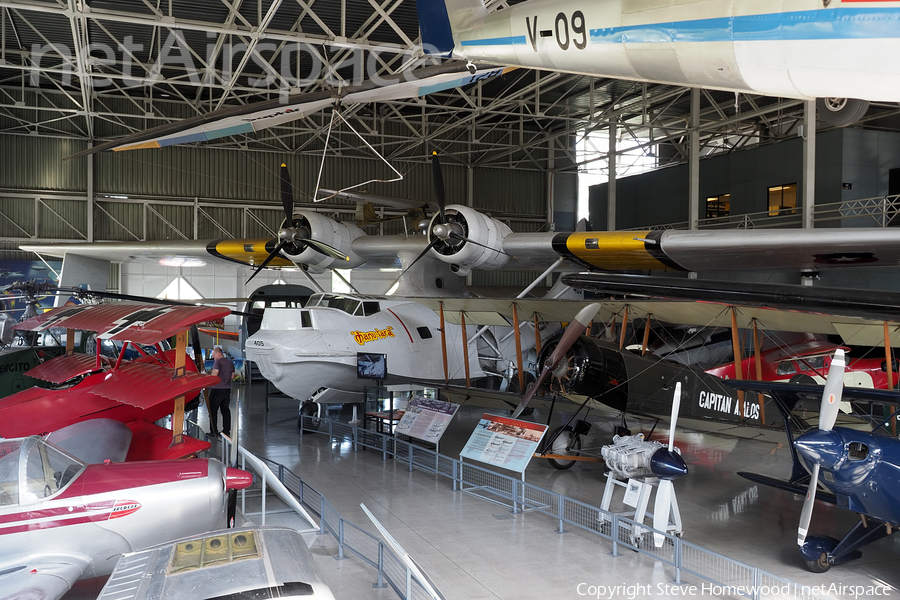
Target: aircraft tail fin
point(439, 18)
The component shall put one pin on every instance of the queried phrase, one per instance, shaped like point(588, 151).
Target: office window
point(718, 206)
point(783, 200)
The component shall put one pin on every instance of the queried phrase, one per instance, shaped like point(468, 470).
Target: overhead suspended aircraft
point(136, 392)
point(856, 470)
point(806, 49)
point(62, 519)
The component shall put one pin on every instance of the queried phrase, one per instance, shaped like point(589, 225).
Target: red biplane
point(136, 393)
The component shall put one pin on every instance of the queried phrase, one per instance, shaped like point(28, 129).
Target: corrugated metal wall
point(36, 164)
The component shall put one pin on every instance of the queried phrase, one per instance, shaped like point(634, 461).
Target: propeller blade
point(287, 195)
point(573, 332)
point(465, 239)
point(661, 510)
point(438, 184)
point(806, 514)
point(232, 508)
point(831, 395)
point(269, 258)
point(421, 254)
point(676, 405)
point(323, 248)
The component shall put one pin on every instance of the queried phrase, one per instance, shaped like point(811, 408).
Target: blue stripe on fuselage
point(500, 41)
point(825, 24)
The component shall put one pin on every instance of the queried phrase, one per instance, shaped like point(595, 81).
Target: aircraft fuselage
point(809, 50)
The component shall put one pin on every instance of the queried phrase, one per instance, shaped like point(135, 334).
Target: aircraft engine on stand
point(630, 456)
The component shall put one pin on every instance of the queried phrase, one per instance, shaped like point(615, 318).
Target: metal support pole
point(611, 187)
point(738, 358)
point(519, 365)
point(264, 492)
point(465, 344)
point(694, 162)
point(340, 555)
point(809, 162)
point(559, 510)
point(322, 516)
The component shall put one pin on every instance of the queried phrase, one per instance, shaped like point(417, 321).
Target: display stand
point(639, 514)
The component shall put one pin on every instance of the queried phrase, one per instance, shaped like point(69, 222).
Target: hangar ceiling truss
point(98, 69)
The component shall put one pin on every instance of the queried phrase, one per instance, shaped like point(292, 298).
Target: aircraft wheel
point(566, 443)
point(840, 112)
point(308, 409)
point(820, 565)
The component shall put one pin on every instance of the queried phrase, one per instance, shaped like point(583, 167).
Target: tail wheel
point(567, 443)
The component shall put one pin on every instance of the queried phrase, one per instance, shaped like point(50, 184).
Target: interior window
point(783, 199)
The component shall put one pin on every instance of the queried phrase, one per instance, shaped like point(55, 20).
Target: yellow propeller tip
point(283, 165)
point(434, 152)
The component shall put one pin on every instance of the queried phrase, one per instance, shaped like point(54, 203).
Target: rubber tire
point(565, 439)
point(308, 409)
point(840, 112)
point(819, 566)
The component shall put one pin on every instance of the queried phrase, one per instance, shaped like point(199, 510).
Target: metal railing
point(391, 571)
point(864, 212)
point(720, 574)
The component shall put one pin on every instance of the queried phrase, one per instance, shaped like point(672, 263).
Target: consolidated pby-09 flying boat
point(313, 351)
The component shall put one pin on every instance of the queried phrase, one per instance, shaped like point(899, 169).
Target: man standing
point(220, 394)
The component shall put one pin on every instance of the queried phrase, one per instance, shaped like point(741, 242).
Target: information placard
point(426, 419)
point(504, 442)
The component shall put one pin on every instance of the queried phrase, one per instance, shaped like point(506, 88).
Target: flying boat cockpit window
point(370, 308)
point(351, 306)
point(9, 472)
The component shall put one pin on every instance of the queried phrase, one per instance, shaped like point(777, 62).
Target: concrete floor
point(475, 549)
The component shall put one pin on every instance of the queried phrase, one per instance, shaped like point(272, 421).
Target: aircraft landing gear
point(567, 442)
point(308, 409)
point(821, 552)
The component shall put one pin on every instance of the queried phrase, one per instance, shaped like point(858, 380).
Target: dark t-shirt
point(226, 371)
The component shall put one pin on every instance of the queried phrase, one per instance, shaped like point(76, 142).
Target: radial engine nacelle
point(453, 240)
point(314, 226)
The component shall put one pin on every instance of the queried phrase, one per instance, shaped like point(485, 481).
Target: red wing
point(145, 385)
point(139, 323)
point(36, 411)
point(64, 368)
point(151, 442)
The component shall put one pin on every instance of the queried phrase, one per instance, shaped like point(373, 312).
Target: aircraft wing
point(44, 578)
point(255, 117)
point(156, 384)
point(792, 393)
point(672, 250)
point(858, 316)
point(139, 323)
